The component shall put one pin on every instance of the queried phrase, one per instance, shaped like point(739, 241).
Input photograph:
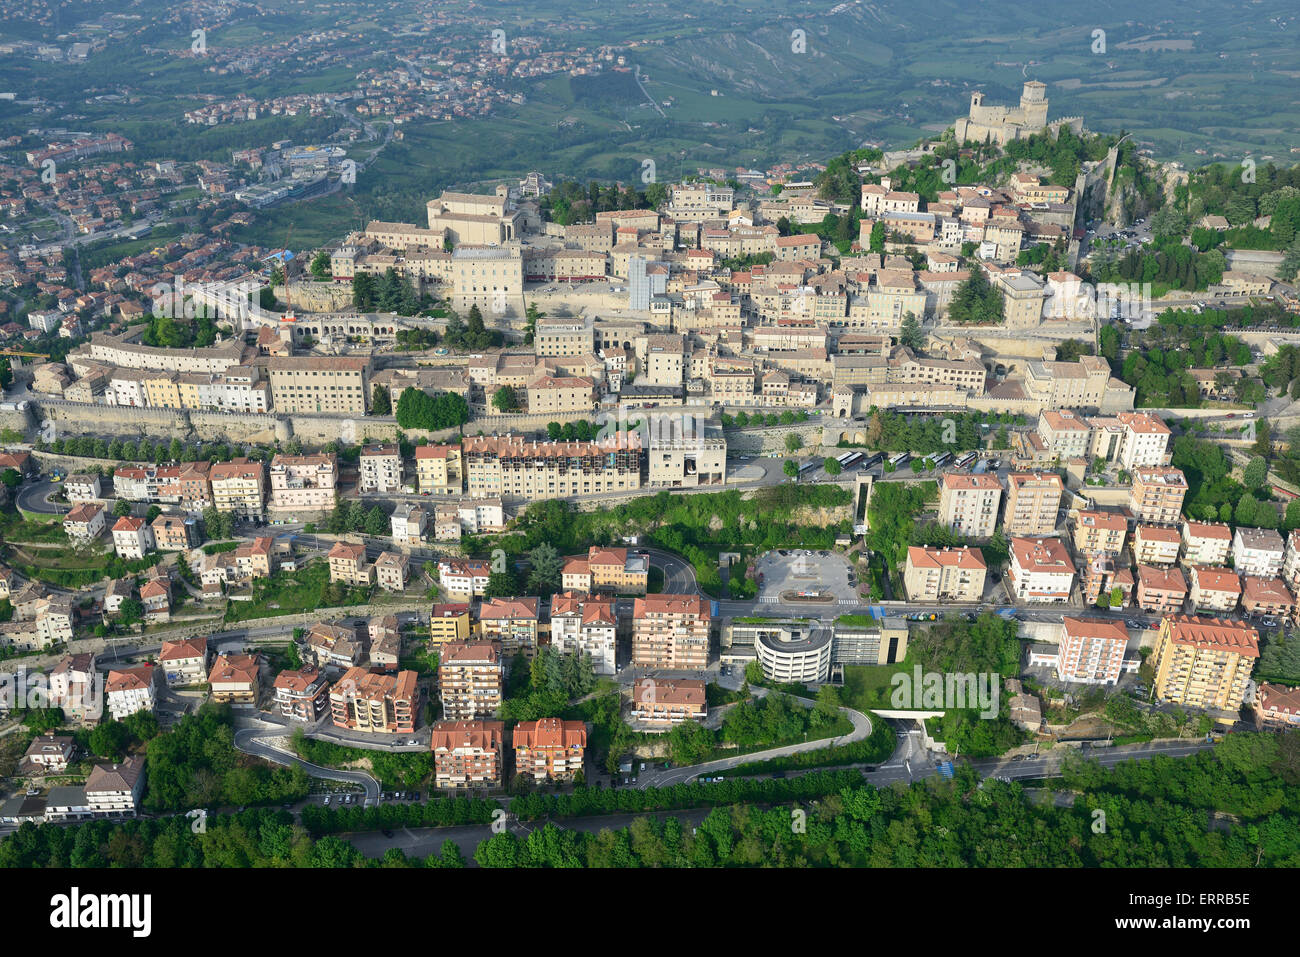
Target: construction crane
point(28, 355)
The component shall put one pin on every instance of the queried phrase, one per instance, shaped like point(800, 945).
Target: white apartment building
point(1041, 570)
point(132, 537)
point(584, 625)
point(1258, 552)
point(130, 690)
point(1092, 651)
point(381, 468)
point(1206, 543)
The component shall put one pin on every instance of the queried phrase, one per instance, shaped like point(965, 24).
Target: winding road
point(252, 741)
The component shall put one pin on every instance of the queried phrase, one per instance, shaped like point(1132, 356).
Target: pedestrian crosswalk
point(770, 600)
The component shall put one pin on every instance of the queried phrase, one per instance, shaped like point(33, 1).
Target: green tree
point(381, 402)
point(503, 400)
point(832, 466)
point(791, 468)
point(910, 333)
point(122, 508)
point(793, 442)
point(377, 521)
point(11, 478)
point(131, 611)
point(545, 568)
point(1255, 474)
point(502, 585)
point(320, 265)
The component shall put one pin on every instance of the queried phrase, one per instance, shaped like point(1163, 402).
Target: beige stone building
point(439, 469)
point(308, 384)
point(969, 503)
point(1157, 494)
point(944, 574)
point(671, 631)
point(1033, 502)
point(239, 487)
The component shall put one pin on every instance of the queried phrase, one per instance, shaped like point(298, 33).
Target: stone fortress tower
point(1001, 124)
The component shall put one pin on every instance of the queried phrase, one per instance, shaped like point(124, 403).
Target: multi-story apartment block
point(467, 754)
point(1214, 588)
point(471, 679)
point(1204, 662)
point(1157, 494)
point(1040, 570)
point(464, 578)
point(132, 537)
point(969, 503)
point(381, 468)
point(1161, 591)
point(610, 570)
point(74, 687)
point(439, 469)
point(1156, 545)
point(302, 695)
point(1033, 500)
point(1258, 552)
point(1206, 543)
point(184, 661)
point(582, 624)
point(239, 487)
point(448, 622)
point(1091, 651)
point(337, 645)
point(187, 484)
point(1267, 597)
point(550, 749)
point(255, 559)
point(375, 703)
point(304, 482)
point(128, 690)
point(174, 533)
point(310, 384)
point(511, 621)
point(1277, 706)
point(391, 569)
point(1098, 532)
point(348, 565)
point(82, 487)
point(1065, 434)
point(1291, 560)
point(664, 702)
point(944, 574)
point(236, 679)
point(512, 467)
point(561, 336)
point(671, 631)
point(408, 524)
point(1146, 440)
point(114, 790)
point(85, 522)
point(662, 360)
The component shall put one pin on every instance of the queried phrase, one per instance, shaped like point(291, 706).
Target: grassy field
point(867, 688)
point(293, 593)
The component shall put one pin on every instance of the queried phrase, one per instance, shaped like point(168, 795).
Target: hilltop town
point(556, 486)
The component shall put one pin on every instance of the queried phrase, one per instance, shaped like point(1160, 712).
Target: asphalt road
point(33, 496)
point(249, 740)
point(659, 778)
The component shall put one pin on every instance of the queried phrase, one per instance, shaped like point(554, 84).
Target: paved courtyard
point(795, 570)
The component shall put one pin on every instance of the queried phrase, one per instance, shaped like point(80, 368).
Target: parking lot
point(788, 571)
